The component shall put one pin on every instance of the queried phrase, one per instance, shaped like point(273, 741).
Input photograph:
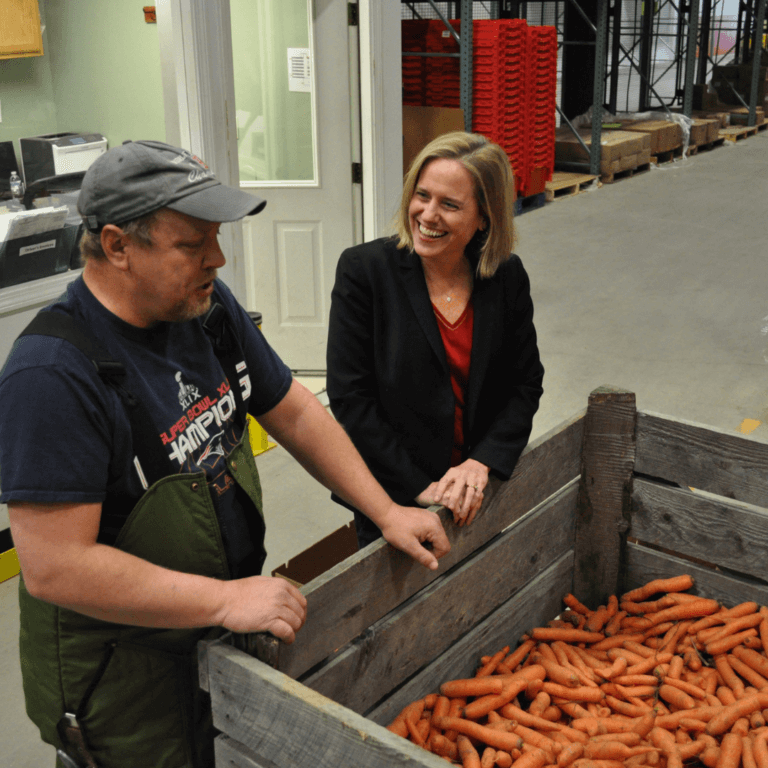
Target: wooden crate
point(600, 505)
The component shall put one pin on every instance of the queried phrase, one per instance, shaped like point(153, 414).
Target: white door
point(297, 125)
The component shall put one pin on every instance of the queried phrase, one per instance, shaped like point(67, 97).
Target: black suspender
point(151, 461)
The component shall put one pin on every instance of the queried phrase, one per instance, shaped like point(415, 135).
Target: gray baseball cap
point(139, 177)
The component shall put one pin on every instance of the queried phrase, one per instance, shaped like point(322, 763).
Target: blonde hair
point(494, 182)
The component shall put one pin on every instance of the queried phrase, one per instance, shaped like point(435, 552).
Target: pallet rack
point(632, 31)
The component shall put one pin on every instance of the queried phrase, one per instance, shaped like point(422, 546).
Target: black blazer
point(388, 380)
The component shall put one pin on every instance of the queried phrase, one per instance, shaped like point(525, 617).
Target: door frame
point(199, 95)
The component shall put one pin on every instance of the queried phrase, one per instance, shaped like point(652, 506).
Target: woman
point(433, 367)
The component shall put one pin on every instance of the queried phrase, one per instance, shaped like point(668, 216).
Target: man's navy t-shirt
point(65, 435)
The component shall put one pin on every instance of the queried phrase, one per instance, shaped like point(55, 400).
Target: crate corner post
point(607, 463)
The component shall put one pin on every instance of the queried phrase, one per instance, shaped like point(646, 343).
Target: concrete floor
point(657, 283)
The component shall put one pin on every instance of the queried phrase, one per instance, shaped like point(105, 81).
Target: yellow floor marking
point(749, 425)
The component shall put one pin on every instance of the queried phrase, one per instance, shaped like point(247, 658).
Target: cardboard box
point(665, 135)
point(704, 131)
point(320, 557)
point(422, 124)
point(619, 150)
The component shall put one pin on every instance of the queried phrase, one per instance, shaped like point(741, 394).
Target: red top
point(457, 340)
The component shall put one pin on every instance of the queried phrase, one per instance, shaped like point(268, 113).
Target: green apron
point(136, 688)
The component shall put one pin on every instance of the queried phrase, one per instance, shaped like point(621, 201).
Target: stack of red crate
point(499, 93)
point(542, 86)
point(443, 84)
point(514, 86)
point(414, 35)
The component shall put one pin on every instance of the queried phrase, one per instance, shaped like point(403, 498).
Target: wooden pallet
point(736, 132)
point(567, 185)
point(705, 146)
point(609, 178)
point(667, 157)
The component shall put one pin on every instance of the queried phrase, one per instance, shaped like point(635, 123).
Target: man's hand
point(461, 490)
point(405, 528)
point(427, 497)
point(264, 604)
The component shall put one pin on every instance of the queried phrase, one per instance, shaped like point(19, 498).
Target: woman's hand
point(461, 490)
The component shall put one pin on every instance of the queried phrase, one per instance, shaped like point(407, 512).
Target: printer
point(58, 153)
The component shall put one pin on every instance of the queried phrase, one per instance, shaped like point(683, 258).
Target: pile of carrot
point(657, 677)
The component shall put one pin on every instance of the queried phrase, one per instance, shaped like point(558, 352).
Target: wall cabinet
point(20, 33)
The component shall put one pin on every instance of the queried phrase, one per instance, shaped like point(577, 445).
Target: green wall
point(26, 96)
point(274, 124)
point(100, 73)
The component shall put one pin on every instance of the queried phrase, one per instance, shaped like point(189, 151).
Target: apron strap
point(151, 461)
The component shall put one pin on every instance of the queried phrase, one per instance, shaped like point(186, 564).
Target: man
point(134, 501)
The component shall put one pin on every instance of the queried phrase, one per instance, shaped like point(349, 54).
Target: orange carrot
point(612, 750)
point(648, 664)
point(569, 754)
point(727, 674)
point(534, 759)
point(763, 632)
point(729, 642)
point(576, 606)
point(467, 753)
point(637, 609)
point(624, 708)
point(760, 751)
point(694, 609)
point(692, 690)
point(566, 635)
point(488, 758)
point(512, 686)
point(443, 747)
point(473, 686)
point(745, 671)
point(531, 721)
point(747, 753)
point(558, 673)
point(730, 751)
point(489, 736)
point(677, 698)
point(710, 756)
point(490, 667)
point(674, 584)
point(582, 693)
point(503, 759)
point(721, 722)
point(752, 658)
point(517, 656)
point(733, 625)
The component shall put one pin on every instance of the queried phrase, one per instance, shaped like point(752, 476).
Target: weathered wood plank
point(393, 648)
point(607, 461)
point(231, 754)
point(711, 528)
point(284, 724)
point(645, 564)
point(734, 466)
point(534, 605)
point(350, 597)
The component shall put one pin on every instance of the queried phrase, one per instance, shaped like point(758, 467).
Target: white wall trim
point(199, 94)
point(381, 105)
